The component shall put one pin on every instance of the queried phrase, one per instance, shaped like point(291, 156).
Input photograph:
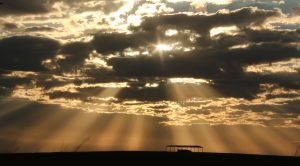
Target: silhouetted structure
point(184, 148)
point(297, 152)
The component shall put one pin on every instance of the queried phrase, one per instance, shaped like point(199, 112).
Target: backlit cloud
point(189, 62)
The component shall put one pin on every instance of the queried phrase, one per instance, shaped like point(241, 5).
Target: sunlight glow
point(99, 62)
point(136, 134)
point(25, 92)
point(171, 32)
point(218, 2)
point(108, 93)
point(290, 66)
point(163, 47)
point(239, 46)
point(106, 85)
point(219, 30)
point(20, 74)
point(134, 20)
point(202, 4)
point(188, 80)
point(131, 52)
point(151, 85)
point(111, 133)
point(151, 9)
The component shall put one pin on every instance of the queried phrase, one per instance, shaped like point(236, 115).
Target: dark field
point(143, 158)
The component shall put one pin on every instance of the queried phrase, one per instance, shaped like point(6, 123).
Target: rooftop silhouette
point(184, 148)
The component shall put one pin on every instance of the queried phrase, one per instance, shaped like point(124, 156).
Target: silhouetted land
point(145, 158)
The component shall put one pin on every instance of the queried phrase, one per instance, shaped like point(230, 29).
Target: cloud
point(29, 53)
point(146, 34)
point(74, 55)
point(213, 111)
point(9, 81)
point(286, 6)
point(152, 27)
point(106, 6)
point(26, 52)
point(39, 28)
point(221, 58)
point(107, 43)
point(267, 35)
point(16, 7)
point(243, 17)
point(206, 63)
point(296, 10)
point(9, 26)
point(121, 69)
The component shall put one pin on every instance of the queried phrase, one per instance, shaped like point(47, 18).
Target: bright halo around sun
point(163, 47)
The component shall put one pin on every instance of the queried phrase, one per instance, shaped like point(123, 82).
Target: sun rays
point(118, 75)
point(51, 129)
point(186, 88)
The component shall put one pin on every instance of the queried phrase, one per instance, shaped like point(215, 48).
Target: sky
point(85, 75)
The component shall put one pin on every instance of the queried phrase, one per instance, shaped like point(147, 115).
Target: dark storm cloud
point(250, 84)
point(70, 95)
point(5, 91)
point(205, 63)
point(272, 35)
point(47, 82)
point(26, 52)
point(9, 26)
point(246, 87)
point(224, 40)
point(23, 7)
point(83, 94)
point(107, 43)
point(291, 107)
point(261, 53)
point(286, 6)
point(75, 54)
point(8, 83)
point(247, 36)
point(224, 67)
point(11, 82)
point(39, 28)
point(81, 75)
point(137, 91)
point(145, 94)
point(213, 57)
point(286, 80)
point(17, 7)
point(243, 17)
point(146, 33)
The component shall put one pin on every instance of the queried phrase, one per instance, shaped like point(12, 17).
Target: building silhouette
point(184, 148)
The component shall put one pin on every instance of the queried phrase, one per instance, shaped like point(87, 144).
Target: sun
point(163, 47)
